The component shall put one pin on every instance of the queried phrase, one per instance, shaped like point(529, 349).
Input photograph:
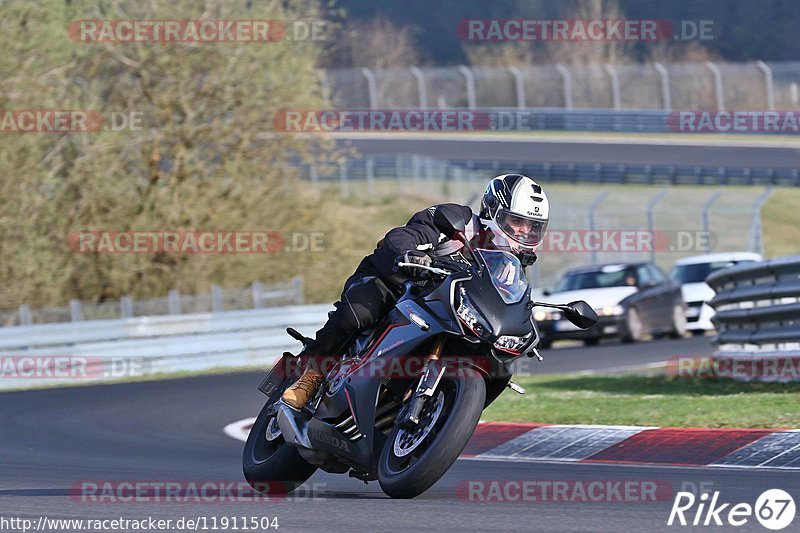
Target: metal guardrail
point(134, 347)
point(219, 299)
point(758, 320)
point(408, 170)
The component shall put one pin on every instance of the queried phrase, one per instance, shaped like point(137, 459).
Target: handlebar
point(439, 271)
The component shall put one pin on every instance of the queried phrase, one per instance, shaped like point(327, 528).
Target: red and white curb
point(240, 429)
point(742, 448)
point(738, 448)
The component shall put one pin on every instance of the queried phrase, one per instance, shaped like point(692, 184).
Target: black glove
point(416, 257)
point(526, 258)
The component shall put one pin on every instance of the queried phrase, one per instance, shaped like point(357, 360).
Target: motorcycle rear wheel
point(270, 465)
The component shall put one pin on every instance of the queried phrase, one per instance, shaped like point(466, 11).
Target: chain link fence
point(638, 200)
point(707, 85)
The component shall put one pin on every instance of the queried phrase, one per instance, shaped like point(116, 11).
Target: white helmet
point(516, 210)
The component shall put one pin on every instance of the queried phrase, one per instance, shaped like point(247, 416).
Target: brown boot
point(305, 387)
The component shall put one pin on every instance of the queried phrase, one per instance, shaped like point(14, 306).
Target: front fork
point(431, 375)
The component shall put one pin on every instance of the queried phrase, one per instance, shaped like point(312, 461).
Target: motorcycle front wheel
point(412, 461)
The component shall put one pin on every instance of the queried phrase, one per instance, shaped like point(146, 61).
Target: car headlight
point(610, 310)
point(470, 316)
point(540, 316)
point(512, 344)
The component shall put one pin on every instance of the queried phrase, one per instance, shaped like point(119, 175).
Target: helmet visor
point(524, 230)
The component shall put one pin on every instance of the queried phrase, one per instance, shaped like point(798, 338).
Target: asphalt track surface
point(570, 151)
point(171, 430)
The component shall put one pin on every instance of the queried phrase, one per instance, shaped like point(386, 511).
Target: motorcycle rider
point(513, 217)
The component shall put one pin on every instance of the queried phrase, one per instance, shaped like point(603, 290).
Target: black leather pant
point(364, 301)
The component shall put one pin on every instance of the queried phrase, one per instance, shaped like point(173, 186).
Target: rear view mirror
point(581, 314)
point(449, 221)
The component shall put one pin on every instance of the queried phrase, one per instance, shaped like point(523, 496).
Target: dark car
point(632, 300)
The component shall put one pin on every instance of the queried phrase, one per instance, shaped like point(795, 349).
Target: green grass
point(781, 223)
point(649, 401)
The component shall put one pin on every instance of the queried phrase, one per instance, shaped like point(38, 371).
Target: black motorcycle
point(402, 403)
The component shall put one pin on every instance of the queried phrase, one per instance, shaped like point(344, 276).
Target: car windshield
point(507, 273)
point(613, 276)
point(699, 271)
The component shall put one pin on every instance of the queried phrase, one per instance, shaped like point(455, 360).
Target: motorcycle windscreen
point(506, 273)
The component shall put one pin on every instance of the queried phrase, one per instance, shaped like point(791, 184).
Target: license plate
point(565, 325)
point(275, 378)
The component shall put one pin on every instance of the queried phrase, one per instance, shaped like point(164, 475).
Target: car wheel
point(678, 322)
point(634, 326)
point(591, 341)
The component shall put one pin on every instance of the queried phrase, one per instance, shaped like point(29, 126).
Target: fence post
point(616, 98)
point(666, 94)
point(595, 204)
point(370, 171)
point(429, 171)
point(25, 318)
point(75, 312)
point(519, 83)
point(216, 299)
point(314, 175)
point(717, 84)
point(372, 87)
point(768, 81)
point(756, 239)
point(343, 179)
point(398, 170)
point(326, 88)
point(422, 91)
point(706, 224)
point(469, 80)
point(126, 307)
point(174, 302)
point(256, 290)
point(651, 205)
point(567, 80)
point(297, 287)
point(457, 187)
point(415, 171)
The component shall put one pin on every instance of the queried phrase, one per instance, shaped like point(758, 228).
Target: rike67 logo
point(774, 509)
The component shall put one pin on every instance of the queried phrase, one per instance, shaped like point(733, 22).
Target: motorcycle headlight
point(470, 316)
point(512, 344)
